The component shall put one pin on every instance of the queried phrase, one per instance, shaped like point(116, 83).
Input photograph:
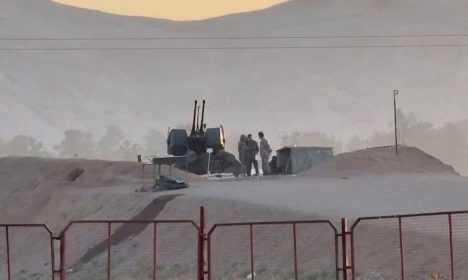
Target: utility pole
point(395, 93)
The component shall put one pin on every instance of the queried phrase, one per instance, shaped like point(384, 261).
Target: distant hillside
point(382, 160)
point(341, 91)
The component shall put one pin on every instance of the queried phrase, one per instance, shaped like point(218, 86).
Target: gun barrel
point(194, 116)
point(198, 118)
point(203, 117)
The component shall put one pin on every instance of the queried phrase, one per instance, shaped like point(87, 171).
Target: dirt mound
point(55, 191)
point(382, 161)
point(76, 172)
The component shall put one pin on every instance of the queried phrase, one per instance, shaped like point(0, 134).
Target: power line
point(236, 37)
point(233, 48)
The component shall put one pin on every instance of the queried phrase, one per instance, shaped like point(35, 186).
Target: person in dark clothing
point(265, 153)
point(251, 152)
point(274, 169)
point(242, 149)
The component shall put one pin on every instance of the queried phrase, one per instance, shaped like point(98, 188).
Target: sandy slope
point(381, 161)
point(336, 198)
point(363, 183)
point(38, 191)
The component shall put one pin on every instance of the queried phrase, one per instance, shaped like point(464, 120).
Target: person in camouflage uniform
point(265, 153)
point(252, 151)
point(242, 149)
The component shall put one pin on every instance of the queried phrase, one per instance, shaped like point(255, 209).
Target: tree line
point(113, 145)
point(448, 142)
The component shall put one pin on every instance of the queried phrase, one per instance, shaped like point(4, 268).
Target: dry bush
point(437, 276)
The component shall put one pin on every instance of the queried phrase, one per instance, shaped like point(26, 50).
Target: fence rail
point(419, 246)
point(273, 250)
point(130, 250)
point(26, 252)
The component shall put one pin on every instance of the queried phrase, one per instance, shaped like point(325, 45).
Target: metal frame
point(8, 248)
point(400, 218)
point(204, 244)
point(251, 245)
point(109, 239)
point(170, 161)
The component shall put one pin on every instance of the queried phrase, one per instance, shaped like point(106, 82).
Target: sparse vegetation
point(74, 174)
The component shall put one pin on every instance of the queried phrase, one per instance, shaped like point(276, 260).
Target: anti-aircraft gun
point(179, 143)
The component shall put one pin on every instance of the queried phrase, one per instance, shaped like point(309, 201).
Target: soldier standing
point(265, 153)
point(242, 149)
point(252, 151)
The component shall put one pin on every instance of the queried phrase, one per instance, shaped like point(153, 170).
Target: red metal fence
point(411, 246)
point(26, 252)
point(131, 250)
point(420, 246)
point(273, 250)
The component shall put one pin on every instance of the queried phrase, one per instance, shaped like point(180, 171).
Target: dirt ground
point(367, 183)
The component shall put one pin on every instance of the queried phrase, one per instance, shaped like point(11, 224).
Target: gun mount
point(200, 138)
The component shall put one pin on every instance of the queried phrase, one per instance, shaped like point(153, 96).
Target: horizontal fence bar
point(291, 226)
point(10, 247)
point(115, 229)
point(407, 256)
point(131, 222)
point(407, 216)
point(274, 223)
point(351, 267)
point(28, 225)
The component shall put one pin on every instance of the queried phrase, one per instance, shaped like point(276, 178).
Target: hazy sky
point(173, 9)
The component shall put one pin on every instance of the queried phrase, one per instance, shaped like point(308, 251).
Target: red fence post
point(154, 249)
point(252, 268)
point(201, 245)
point(7, 236)
point(401, 250)
point(62, 256)
point(344, 247)
point(208, 249)
point(52, 256)
point(452, 272)
point(109, 244)
point(351, 236)
point(337, 258)
point(295, 250)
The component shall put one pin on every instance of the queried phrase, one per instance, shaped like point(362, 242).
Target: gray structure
point(293, 160)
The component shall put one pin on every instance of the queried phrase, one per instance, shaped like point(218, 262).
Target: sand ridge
point(381, 161)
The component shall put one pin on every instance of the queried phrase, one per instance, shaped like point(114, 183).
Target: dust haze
point(78, 86)
point(116, 104)
point(448, 142)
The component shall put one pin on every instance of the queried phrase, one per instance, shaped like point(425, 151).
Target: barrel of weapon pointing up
point(194, 117)
point(202, 118)
point(200, 138)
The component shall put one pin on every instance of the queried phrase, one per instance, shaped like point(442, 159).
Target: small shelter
point(293, 160)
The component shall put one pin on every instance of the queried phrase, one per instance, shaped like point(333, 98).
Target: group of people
point(248, 150)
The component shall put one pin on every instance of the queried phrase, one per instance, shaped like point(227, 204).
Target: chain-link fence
point(26, 252)
point(422, 246)
point(274, 250)
point(416, 247)
point(130, 250)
